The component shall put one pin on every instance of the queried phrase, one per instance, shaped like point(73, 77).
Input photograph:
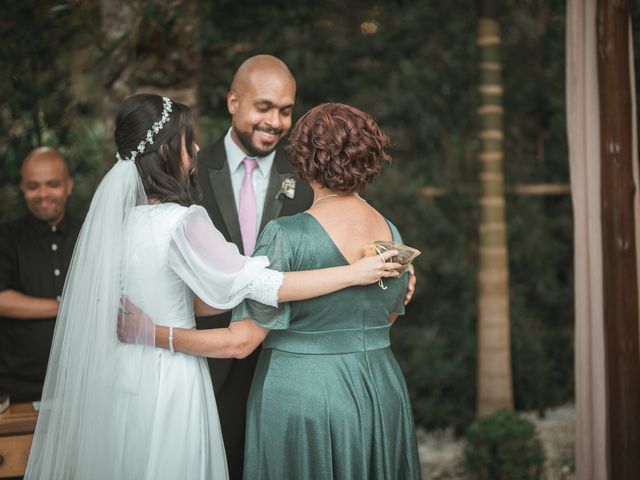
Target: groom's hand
point(134, 325)
point(412, 285)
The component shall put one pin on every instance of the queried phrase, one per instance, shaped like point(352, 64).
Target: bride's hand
point(371, 269)
point(135, 326)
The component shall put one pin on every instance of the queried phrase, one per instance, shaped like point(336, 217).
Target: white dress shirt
point(260, 176)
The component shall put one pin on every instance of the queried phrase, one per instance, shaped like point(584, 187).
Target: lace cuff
point(265, 287)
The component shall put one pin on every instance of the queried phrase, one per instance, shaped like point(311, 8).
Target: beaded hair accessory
point(155, 128)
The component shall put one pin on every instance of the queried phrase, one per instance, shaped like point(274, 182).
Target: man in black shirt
point(35, 251)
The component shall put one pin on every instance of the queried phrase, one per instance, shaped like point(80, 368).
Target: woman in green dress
point(328, 400)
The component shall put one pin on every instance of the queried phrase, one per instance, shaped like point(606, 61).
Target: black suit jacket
point(214, 178)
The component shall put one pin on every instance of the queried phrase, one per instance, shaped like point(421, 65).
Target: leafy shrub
point(504, 446)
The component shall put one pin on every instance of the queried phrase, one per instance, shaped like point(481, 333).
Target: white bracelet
point(171, 341)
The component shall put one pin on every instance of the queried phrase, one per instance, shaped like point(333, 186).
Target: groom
point(247, 181)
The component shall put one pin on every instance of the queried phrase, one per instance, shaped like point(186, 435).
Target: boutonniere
point(288, 188)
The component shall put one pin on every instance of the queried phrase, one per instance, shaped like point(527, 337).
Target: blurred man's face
point(46, 185)
point(261, 112)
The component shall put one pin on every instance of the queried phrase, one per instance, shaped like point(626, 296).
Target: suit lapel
point(279, 172)
point(218, 177)
point(220, 180)
point(273, 205)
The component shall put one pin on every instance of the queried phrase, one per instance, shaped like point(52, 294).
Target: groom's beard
point(249, 145)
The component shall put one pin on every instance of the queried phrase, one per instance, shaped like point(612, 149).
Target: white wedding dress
point(132, 411)
point(165, 402)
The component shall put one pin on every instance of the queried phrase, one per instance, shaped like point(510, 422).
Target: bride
point(116, 411)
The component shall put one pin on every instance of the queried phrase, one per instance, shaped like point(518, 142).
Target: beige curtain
point(584, 157)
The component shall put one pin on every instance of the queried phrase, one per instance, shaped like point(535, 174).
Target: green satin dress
point(328, 400)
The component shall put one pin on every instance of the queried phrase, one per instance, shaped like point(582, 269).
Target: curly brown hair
point(338, 147)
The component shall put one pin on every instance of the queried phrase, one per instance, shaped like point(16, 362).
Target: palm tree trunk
point(495, 389)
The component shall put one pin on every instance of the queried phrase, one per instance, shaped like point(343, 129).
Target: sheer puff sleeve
point(274, 243)
point(214, 269)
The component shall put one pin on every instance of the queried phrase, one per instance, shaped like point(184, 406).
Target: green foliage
point(541, 301)
point(534, 82)
point(39, 105)
point(417, 76)
point(435, 341)
point(540, 229)
point(412, 66)
point(504, 446)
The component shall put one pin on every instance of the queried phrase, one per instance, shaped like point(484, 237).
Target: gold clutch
point(405, 256)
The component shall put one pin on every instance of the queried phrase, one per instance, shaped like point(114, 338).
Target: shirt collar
point(42, 227)
point(235, 156)
point(63, 225)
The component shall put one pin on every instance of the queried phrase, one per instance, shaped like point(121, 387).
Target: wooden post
point(618, 242)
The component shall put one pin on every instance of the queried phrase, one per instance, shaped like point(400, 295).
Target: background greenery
point(411, 64)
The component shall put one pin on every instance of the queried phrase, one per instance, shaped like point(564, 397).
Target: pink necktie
point(247, 216)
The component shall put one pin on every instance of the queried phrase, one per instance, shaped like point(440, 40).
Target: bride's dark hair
point(160, 165)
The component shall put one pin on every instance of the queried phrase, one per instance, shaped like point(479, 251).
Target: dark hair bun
point(160, 164)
